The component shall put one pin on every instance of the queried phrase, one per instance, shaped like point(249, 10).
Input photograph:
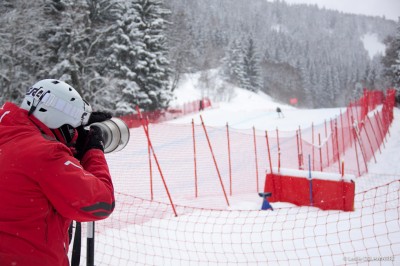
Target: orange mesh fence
point(211, 171)
point(198, 161)
point(144, 232)
point(133, 120)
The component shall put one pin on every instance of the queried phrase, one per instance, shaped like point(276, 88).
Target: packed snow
point(296, 232)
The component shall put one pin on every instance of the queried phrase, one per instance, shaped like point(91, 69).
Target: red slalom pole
point(215, 161)
point(155, 158)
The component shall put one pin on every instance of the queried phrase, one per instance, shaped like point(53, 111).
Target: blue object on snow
point(265, 204)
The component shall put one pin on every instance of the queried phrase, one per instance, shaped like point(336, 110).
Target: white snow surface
point(373, 45)
point(141, 243)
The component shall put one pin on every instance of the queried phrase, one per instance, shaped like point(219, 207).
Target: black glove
point(99, 117)
point(87, 140)
point(91, 139)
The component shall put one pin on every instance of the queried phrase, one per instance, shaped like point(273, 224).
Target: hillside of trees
point(122, 53)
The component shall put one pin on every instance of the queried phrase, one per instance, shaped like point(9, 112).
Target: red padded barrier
point(329, 191)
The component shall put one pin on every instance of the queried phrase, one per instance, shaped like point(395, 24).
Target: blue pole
point(310, 180)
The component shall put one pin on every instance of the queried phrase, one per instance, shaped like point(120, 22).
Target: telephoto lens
point(115, 132)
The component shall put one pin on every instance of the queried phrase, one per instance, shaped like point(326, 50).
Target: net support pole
point(255, 156)
point(327, 143)
point(380, 131)
point(279, 150)
point(320, 151)
point(310, 181)
point(298, 149)
point(194, 161)
point(342, 128)
point(156, 160)
point(369, 142)
point(150, 164)
point(373, 131)
point(215, 161)
point(229, 159)
point(269, 151)
point(313, 146)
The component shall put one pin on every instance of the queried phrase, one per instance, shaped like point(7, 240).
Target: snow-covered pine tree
point(233, 64)
point(78, 39)
point(391, 59)
point(396, 71)
point(120, 59)
point(151, 65)
point(251, 62)
point(395, 67)
point(23, 56)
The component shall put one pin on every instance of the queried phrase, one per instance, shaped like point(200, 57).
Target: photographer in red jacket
point(49, 174)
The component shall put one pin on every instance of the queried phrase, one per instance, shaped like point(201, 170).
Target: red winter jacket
point(42, 188)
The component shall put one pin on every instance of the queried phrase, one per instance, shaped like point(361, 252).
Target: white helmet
point(55, 103)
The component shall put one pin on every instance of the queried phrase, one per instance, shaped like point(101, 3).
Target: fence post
point(269, 151)
point(341, 123)
point(298, 149)
point(279, 150)
point(376, 138)
point(327, 143)
point(369, 142)
point(380, 131)
point(355, 146)
point(301, 149)
point(312, 140)
point(333, 141)
point(320, 151)
point(229, 159)
point(155, 158)
point(348, 124)
point(195, 161)
point(358, 139)
point(255, 155)
point(215, 161)
point(150, 164)
point(337, 144)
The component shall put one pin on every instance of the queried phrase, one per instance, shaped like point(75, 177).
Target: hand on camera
point(97, 117)
point(92, 138)
point(87, 140)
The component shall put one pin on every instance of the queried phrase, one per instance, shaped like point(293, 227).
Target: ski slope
point(142, 232)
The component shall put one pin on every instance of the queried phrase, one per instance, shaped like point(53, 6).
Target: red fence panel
point(325, 191)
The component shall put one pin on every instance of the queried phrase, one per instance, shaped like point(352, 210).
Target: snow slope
point(244, 235)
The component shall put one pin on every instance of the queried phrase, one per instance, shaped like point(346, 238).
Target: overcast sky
point(389, 8)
